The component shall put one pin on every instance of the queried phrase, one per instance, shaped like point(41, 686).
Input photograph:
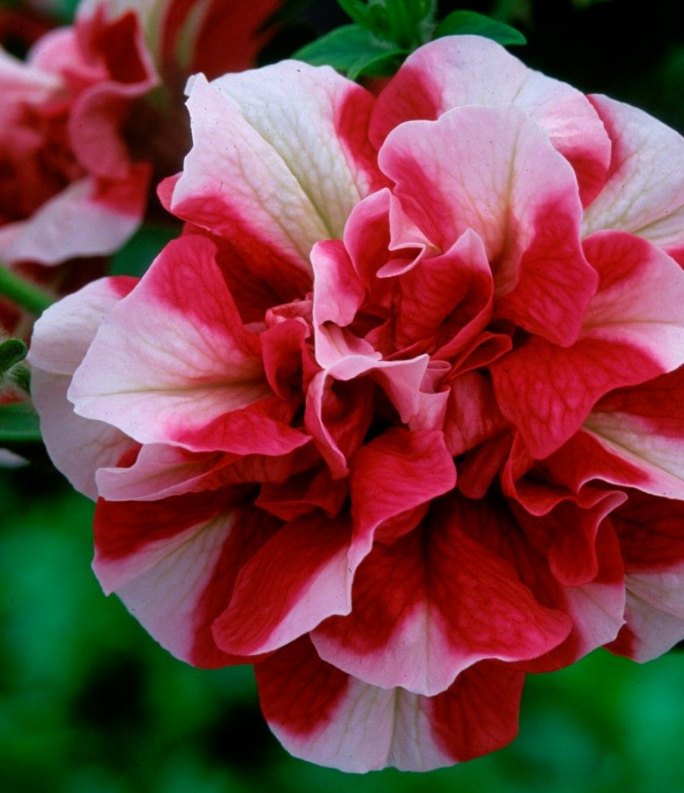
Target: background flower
point(92, 120)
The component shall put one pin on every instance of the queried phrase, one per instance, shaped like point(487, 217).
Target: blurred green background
point(90, 704)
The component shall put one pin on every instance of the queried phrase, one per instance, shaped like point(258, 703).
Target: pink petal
point(24, 83)
point(516, 193)
point(174, 563)
point(99, 114)
point(565, 524)
point(252, 199)
point(317, 122)
point(298, 161)
point(367, 239)
point(61, 338)
point(650, 630)
point(589, 455)
point(209, 25)
point(157, 473)
point(644, 193)
point(160, 471)
point(174, 360)
point(473, 415)
point(306, 570)
point(299, 495)
point(595, 610)
point(324, 716)
point(633, 331)
point(393, 475)
point(78, 447)
point(432, 604)
point(400, 380)
point(56, 232)
point(337, 417)
point(447, 297)
point(469, 70)
point(644, 428)
point(657, 598)
point(316, 583)
point(284, 351)
point(650, 531)
point(652, 545)
point(63, 334)
point(338, 292)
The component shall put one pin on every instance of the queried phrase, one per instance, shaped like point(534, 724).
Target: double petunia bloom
point(398, 417)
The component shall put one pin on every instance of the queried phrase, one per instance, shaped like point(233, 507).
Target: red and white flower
point(62, 148)
point(93, 114)
point(398, 417)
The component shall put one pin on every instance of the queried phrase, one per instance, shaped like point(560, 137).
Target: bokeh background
point(90, 704)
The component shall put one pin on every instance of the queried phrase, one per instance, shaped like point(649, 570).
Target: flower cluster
point(398, 417)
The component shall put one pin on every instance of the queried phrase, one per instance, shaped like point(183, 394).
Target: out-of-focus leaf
point(403, 24)
point(359, 11)
point(12, 351)
point(141, 250)
point(464, 22)
point(352, 50)
point(587, 3)
point(21, 377)
point(381, 66)
point(18, 424)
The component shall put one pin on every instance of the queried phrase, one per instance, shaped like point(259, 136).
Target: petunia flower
point(397, 418)
point(91, 116)
point(63, 153)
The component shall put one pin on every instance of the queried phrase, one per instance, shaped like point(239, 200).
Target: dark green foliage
point(462, 22)
point(18, 424)
point(385, 32)
point(12, 351)
point(353, 50)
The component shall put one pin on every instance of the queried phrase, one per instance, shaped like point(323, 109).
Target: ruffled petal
point(325, 716)
point(469, 70)
point(633, 332)
point(174, 564)
point(174, 364)
point(61, 338)
point(644, 193)
point(516, 192)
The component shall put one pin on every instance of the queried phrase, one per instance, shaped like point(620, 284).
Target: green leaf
point(21, 377)
point(464, 22)
point(12, 351)
point(359, 11)
point(19, 424)
point(402, 24)
point(384, 65)
point(410, 22)
point(140, 251)
point(349, 49)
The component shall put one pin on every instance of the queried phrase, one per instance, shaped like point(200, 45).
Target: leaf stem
point(21, 291)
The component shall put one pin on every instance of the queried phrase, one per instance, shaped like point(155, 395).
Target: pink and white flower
point(63, 152)
point(398, 418)
point(94, 114)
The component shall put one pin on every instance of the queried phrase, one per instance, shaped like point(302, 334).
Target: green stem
point(28, 296)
